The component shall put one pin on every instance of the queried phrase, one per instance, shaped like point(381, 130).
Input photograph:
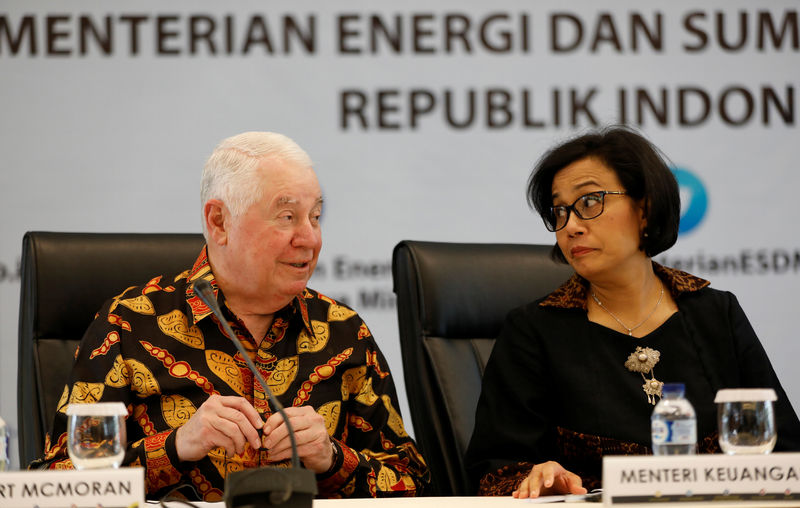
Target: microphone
point(264, 486)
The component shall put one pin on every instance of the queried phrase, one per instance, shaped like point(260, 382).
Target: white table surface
point(489, 502)
point(420, 502)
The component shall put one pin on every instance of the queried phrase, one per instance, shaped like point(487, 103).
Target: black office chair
point(452, 299)
point(66, 277)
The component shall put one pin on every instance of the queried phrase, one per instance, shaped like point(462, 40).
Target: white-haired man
point(195, 410)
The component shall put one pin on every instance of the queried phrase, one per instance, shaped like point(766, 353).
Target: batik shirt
point(161, 351)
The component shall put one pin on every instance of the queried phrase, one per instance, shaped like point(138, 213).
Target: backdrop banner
point(423, 120)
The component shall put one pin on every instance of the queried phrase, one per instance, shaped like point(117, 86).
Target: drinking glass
point(96, 434)
point(746, 420)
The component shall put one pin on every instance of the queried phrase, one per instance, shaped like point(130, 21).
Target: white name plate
point(108, 488)
point(765, 479)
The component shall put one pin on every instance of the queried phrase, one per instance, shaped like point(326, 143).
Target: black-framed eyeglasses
point(588, 206)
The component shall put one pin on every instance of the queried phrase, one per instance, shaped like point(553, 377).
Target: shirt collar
point(202, 269)
point(575, 291)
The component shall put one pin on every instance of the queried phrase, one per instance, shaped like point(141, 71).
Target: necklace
point(643, 359)
point(631, 329)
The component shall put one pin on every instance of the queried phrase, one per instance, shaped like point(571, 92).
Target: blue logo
point(694, 209)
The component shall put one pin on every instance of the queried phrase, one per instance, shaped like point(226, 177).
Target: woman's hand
point(547, 479)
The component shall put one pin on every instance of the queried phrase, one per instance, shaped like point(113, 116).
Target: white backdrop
point(108, 111)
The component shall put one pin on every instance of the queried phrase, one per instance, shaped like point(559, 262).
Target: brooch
point(642, 361)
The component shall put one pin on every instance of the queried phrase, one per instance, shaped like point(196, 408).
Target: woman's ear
point(642, 207)
point(216, 218)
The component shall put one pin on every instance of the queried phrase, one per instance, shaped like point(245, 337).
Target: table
point(481, 502)
point(420, 502)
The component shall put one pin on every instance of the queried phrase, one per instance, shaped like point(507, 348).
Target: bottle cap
point(745, 395)
point(98, 409)
point(673, 389)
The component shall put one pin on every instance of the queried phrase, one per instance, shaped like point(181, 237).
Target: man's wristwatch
point(334, 456)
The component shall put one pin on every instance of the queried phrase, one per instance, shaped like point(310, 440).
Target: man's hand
point(311, 436)
point(547, 479)
point(229, 422)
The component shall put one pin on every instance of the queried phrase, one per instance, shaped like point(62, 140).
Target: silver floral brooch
point(642, 361)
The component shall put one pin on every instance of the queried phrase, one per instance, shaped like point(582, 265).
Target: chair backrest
point(452, 299)
point(66, 277)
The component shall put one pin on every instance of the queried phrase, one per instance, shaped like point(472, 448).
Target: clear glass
point(4, 453)
point(746, 427)
point(95, 440)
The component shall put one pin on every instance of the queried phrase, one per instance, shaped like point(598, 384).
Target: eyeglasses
point(588, 206)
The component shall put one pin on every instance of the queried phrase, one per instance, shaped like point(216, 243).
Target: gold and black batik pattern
point(160, 350)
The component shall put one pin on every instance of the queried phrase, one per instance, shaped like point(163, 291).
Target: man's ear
point(217, 218)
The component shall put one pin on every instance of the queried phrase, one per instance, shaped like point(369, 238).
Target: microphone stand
point(264, 486)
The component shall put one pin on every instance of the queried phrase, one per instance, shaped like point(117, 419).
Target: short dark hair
point(639, 165)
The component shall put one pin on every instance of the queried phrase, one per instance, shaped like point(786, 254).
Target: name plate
point(108, 488)
point(765, 479)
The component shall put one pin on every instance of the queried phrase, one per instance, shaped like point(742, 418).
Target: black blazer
point(552, 372)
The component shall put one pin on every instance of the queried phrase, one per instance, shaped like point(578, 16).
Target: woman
point(575, 375)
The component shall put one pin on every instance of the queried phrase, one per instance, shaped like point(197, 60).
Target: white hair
point(230, 172)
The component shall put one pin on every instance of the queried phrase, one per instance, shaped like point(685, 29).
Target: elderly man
point(195, 411)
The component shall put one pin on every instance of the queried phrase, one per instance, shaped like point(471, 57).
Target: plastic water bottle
point(674, 424)
point(4, 458)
